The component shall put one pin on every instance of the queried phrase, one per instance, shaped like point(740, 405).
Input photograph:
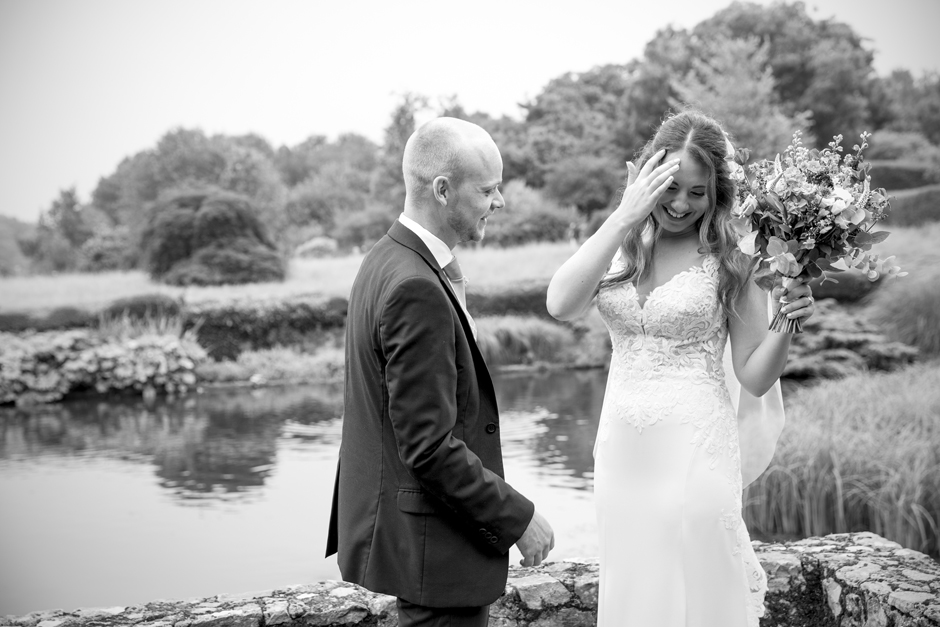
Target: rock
point(784, 571)
point(916, 575)
point(567, 617)
point(248, 615)
point(910, 602)
point(539, 591)
point(833, 596)
point(586, 587)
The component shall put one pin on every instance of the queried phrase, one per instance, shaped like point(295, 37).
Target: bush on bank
point(44, 367)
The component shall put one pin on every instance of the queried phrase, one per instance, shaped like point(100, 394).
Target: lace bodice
point(680, 330)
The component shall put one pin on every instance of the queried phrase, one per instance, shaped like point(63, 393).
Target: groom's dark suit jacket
point(420, 508)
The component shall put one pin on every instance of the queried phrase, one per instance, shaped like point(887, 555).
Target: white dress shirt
point(442, 255)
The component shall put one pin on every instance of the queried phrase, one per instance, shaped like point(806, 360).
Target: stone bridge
point(844, 580)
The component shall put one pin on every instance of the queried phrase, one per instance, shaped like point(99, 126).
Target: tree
point(576, 115)
point(65, 217)
point(819, 66)
point(209, 237)
point(734, 84)
point(388, 182)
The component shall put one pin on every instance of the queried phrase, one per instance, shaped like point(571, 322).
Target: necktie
point(459, 282)
point(457, 279)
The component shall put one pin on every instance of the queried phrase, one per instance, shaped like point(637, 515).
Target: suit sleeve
point(417, 330)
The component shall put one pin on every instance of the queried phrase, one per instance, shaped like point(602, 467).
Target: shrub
point(914, 207)
point(893, 145)
point(526, 299)
point(238, 260)
point(110, 250)
point(278, 364)
point(227, 330)
point(858, 454)
point(143, 306)
point(839, 342)
point(523, 340)
point(209, 237)
point(897, 175)
point(44, 367)
point(317, 247)
point(909, 308)
point(529, 217)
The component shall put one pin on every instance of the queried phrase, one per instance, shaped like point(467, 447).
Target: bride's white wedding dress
point(674, 551)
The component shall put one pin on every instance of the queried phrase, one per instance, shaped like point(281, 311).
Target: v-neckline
point(636, 293)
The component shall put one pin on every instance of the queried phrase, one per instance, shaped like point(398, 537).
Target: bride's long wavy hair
point(706, 143)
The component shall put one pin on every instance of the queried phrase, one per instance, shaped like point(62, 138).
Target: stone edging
point(844, 580)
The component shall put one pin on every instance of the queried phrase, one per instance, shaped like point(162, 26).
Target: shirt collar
point(442, 254)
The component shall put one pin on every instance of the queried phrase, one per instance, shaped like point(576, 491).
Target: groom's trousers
point(411, 615)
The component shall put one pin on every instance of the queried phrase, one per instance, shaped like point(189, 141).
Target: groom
point(420, 509)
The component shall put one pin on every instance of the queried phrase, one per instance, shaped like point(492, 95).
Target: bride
point(672, 287)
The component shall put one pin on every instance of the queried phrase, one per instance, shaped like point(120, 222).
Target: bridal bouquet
point(805, 210)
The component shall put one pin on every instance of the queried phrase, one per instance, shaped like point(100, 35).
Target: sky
point(85, 83)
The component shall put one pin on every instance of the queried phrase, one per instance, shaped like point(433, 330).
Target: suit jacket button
point(491, 428)
point(493, 539)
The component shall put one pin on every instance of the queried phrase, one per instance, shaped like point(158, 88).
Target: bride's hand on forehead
point(645, 186)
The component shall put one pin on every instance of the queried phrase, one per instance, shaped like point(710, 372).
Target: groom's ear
point(440, 187)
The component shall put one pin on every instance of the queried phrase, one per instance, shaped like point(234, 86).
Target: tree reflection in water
point(220, 444)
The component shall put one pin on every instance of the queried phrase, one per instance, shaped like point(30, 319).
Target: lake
point(108, 502)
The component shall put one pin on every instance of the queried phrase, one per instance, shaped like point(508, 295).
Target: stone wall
point(845, 580)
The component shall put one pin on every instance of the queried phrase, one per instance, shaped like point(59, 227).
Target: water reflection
point(220, 444)
point(229, 490)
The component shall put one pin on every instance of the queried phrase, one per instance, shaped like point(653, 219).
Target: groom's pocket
point(415, 502)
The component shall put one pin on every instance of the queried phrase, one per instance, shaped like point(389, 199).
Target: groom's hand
point(537, 541)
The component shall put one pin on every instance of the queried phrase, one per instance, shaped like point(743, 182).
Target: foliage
point(914, 207)
point(108, 250)
point(909, 104)
point(576, 115)
point(143, 307)
point(818, 66)
point(44, 367)
point(733, 83)
point(807, 210)
point(528, 217)
point(895, 176)
point(209, 237)
point(364, 228)
point(834, 471)
point(587, 182)
point(523, 340)
point(840, 342)
point(13, 261)
point(910, 309)
point(226, 330)
point(60, 318)
point(279, 364)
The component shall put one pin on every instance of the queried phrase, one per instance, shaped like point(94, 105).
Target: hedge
point(914, 207)
point(898, 175)
point(227, 330)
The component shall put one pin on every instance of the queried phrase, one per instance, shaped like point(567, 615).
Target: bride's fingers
point(631, 173)
point(652, 163)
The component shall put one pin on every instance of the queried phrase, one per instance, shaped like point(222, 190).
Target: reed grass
point(126, 327)
point(861, 453)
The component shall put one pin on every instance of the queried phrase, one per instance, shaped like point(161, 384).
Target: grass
point(913, 207)
point(861, 453)
point(485, 267)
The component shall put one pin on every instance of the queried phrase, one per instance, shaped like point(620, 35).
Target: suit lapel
point(408, 238)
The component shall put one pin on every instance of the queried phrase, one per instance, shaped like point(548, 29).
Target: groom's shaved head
point(439, 148)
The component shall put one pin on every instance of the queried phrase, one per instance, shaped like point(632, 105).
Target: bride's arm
point(758, 355)
point(574, 284)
